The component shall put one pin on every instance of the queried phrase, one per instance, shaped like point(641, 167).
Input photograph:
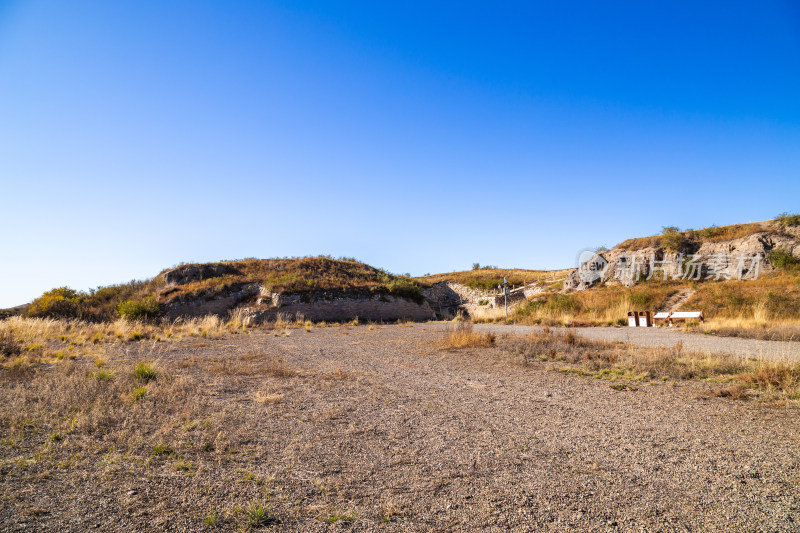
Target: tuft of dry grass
point(277, 368)
point(736, 392)
point(463, 335)
point(9, 347)
point(267, 398)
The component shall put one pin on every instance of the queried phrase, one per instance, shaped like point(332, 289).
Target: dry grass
point(267, 398)
point(601, 306)
point(772, 297)
point(206, 446)
point(490, 315)
point(301, 275)
point(463, 335)
point(752, 329)
point(736, 392)
point(277, 368)
point(775, 380)
point(697, 237)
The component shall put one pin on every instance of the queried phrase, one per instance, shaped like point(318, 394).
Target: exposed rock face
point(338, 309)
point(741, 258)
point(217, 303)
point(188, 273)
point(444, 298)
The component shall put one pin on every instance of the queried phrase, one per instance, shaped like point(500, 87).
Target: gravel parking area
point(664, 337)
point(375, 429)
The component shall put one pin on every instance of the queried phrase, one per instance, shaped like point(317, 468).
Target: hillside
point(215, 288)
point(324, 288)
point(490, 278)
point(744, 273)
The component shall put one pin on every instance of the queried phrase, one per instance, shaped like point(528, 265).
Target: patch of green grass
point(161, 449)
point(102, 375)
point(139, 309)
point(258, 514)
point(139, 393)
point(145, 372)
point(335, 517)
point(183, 466)
point(212, 519)
point(789, 219)
point(783, 259)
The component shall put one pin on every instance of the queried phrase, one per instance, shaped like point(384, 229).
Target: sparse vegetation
point(789, 219)
point(778, 380)
point(463, 335)
point(258, 514)
point(9, 347)
point(336, 517)
point(101, 304)
point(239, 425)
point(146, 308)
point(139, 393)
point(675, 240)
point(489, 278)
point(783, 259)
point(606, 305)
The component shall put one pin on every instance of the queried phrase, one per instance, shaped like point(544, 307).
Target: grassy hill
point(145, 299)
point(300, 275)
point(490, 278)
point(771, 300)
point(673, 238)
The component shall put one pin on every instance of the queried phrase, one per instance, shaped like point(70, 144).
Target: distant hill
point(490, 278)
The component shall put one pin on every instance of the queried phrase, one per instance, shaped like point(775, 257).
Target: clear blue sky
point(415, 137)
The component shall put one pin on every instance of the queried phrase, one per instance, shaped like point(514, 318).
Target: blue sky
point(415, 137)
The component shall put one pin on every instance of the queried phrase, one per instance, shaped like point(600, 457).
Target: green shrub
point(789, 219)
point(405, 288)
point(782, 259)
point(672, 239)
point(139, 309)
point(61, 302)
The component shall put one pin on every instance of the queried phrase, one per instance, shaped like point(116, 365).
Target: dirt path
point(380, 431)
point(675, 301)
point(773, 350)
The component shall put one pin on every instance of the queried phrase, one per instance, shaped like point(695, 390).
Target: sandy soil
point(376, 429)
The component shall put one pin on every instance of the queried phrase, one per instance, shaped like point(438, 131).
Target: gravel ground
point(395, 435)
point(774, 350)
